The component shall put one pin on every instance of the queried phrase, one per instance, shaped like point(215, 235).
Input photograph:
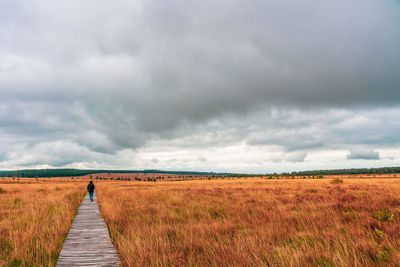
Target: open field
point(299, 222)
point(34, 219)
point(179, 177)
point(275, 222)
point(45, 175)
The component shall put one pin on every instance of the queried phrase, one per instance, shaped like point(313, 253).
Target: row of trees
point(46, 173)
point(383, 170)
point(76, 172)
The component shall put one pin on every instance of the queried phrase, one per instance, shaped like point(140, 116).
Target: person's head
point(91, 182)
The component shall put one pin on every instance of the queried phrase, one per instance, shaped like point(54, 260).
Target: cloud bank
point(144, 84)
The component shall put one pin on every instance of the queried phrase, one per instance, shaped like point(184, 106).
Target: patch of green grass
point(5, 248)
point(54, 257)
point(323, 262)
point(383, 255)
point(173, 235)
point(384, 215)
point(300, 241)
point(15, 263)
point(17, 202)
point(217, 213)
point(336, 181)
point(378, 232)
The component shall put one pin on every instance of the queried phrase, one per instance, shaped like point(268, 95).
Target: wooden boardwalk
point(88, 242)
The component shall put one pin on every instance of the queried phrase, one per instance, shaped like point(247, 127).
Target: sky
point(229, 86)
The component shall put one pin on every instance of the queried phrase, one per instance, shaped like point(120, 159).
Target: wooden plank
point(88, 242)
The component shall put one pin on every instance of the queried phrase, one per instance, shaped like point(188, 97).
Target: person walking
point(90, 189)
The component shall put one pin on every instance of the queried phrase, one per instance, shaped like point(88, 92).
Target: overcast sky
point(231, 85)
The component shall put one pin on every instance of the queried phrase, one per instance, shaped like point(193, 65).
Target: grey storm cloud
point(108, 76)
point(363, 153)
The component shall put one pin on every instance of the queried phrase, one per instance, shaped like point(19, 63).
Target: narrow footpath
point(88, 242)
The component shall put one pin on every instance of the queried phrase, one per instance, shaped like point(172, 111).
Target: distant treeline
point(350, 171)
point(76, 172)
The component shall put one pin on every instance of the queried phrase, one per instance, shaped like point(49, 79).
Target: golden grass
point(257, 222)
point(34, 220)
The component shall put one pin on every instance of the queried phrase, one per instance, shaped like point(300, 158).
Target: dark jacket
point(90, 187)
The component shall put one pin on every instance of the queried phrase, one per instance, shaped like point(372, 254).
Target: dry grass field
point(335, 221)
point(34, 219)
point(257, 222)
